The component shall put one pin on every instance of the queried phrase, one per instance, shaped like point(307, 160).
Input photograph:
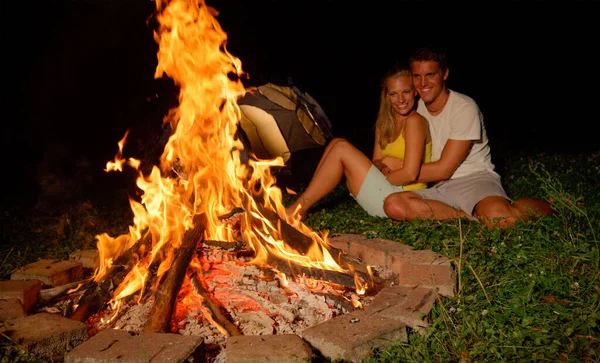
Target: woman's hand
point(392, 162)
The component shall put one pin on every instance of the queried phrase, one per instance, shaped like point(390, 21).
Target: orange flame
point(205, 154)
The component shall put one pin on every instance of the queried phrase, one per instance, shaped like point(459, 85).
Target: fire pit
point(211, 250)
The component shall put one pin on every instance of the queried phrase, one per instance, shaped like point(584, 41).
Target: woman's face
point(401, 94)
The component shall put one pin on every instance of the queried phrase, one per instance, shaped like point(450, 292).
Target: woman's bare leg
point(340, 159)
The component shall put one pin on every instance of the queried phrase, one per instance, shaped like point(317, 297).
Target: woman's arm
point(377, 153)
point(416, 132)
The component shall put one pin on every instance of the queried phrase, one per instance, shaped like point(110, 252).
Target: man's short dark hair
point(430, 54)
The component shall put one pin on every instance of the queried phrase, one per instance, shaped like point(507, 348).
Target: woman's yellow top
point(397, 148)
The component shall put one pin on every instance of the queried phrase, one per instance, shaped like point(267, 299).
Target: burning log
point(340, 278)
point(301, 243)
point(97, 295)
point(141, 247)
point(93, 300)
point(152, 273)
point(160, 314)
point(224, 245)
point(213, 308)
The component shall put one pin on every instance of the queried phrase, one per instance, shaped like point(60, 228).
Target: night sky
point(78, 74)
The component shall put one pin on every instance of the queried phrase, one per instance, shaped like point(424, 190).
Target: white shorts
point(465, 192)
point(374, 190)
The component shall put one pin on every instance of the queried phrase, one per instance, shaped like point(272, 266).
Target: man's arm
point(455, 151)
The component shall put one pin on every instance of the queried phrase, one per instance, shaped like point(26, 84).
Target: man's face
point(428, 79)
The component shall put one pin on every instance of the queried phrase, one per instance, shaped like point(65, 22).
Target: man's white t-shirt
point(460, 120)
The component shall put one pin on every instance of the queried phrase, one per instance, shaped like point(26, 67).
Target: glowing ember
point(210, 178)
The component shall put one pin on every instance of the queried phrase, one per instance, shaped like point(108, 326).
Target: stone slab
point(283, 348)
point(27, 291)
point(48, 336)
point(119, 346)
point(352, 337)
point(409, 305)
point(50, 272)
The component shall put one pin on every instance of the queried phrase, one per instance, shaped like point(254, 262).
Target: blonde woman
point(402, 145)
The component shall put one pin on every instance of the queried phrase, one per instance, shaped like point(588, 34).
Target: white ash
point(134, 316)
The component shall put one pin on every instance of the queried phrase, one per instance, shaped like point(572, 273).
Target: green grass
point(528, 293)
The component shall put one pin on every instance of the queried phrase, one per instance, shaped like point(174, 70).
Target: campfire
point(211, 250)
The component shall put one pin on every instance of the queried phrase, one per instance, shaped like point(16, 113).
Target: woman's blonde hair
point(385, 126)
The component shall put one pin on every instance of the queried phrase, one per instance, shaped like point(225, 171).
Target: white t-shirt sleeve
point(466, 123)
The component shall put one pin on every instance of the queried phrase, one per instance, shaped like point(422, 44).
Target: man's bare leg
point(339, 159)
point(498, 212)
point(408, 206)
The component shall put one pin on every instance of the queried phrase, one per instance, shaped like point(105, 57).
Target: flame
point(204, 153)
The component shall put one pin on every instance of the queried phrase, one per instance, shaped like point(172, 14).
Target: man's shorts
point(374, 190)
point(465, 192)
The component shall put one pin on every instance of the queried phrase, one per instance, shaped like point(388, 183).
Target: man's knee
point(496, 211)
point(494, 207)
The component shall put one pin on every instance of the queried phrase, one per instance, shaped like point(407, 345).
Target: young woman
point(402, 144)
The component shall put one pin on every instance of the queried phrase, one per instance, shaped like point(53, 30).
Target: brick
point(283, 348)
point(440, 277)
point(50, 272)
point(90, 259)
point(424, 268)
point(27, 291)
point(368, 253)
point(112, 345)
point(48, 336)
point(11, 309)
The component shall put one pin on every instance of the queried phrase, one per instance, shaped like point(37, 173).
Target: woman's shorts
point(374, 190)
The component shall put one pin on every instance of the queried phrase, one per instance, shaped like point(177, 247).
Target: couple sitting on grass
point(438, 141)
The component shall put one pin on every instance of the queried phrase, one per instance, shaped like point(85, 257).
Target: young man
point(463, 177)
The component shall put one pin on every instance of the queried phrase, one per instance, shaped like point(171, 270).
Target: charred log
point(160, 314)
point(339, 278)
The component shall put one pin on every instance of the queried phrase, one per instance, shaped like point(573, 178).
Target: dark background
point(78, 74)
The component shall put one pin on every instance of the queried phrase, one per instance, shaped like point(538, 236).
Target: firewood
point(166, 293)
point(301, 243)
point(336, 277)
point(213, 308)
point(233, 216)
point(92, 301)
point(140, 248)
point(225, 245)
point(97, 295)
point(56, 291)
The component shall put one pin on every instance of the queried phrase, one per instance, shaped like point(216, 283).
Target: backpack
point(282, 120)
point(285, 121)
